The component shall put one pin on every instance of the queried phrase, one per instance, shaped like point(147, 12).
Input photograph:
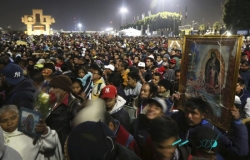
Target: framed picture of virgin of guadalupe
point(209, 69)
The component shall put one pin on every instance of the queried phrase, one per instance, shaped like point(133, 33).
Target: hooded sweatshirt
point(23, 144)
point(119, 113)
point(22, 94)
point(164, 95)
point(177, 65)
point(7, 153)
point(85, 80)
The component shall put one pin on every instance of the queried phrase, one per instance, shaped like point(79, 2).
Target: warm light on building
point(37, 23)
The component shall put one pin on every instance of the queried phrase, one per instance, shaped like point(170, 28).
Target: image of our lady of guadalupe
point(29, 123)
point(212, 70)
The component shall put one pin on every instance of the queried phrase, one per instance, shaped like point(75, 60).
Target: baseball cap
point(205, 133)
point(141, 64)
point(13, 74)
point(173, 61)
point(158, 101)
point(40, 61)
point(109, 91)
point(161, 69)
point(110, 66)
point(151, 56)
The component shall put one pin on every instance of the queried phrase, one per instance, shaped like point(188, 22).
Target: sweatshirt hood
point(120, 102)
point(26, 84)
point(164, 95)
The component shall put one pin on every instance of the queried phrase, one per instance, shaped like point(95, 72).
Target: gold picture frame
point(209, 69)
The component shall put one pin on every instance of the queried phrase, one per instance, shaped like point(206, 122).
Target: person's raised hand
point(175, 96)
point(235, 113)
point(41, 127)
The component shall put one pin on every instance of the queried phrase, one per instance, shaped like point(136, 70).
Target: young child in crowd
point(84, 76)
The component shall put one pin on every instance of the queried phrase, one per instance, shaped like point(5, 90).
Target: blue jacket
point(246, 77)
point(84, 79)
point(243, 97)
point(239, 143)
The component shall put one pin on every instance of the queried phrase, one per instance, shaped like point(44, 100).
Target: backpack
point(131, 112)
point(140, 135)
point(129, 140)
point(98, 88)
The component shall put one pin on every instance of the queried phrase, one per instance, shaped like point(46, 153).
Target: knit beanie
point(91, 140)
point(63, 82)
point(49, 66)
point(165, 83)
point(166, 56)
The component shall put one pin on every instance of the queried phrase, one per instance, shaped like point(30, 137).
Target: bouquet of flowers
point(42, 104)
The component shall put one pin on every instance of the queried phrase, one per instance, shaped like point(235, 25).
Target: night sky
point(96, 14)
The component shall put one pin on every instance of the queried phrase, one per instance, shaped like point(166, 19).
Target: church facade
point(37, 23)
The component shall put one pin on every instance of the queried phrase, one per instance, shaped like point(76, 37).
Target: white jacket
point(120, 102)
point(247, 108)
point(6, 152)
point(23, 144)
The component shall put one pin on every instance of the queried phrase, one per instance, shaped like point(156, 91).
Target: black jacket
point(123, 118)
point(22, 94)
point(139, 128)
point(60, 119)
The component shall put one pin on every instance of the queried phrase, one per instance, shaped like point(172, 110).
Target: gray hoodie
point(7, 153)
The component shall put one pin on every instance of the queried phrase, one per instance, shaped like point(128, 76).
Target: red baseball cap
point(109, 91)
point(173, 61)
point(161, 69)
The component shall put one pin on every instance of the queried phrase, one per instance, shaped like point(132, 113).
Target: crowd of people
point(110, 97)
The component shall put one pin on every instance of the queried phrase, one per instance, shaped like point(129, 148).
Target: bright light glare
point(123, 10)
point(229, 33)
point(109, 29)
point(80, 25)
